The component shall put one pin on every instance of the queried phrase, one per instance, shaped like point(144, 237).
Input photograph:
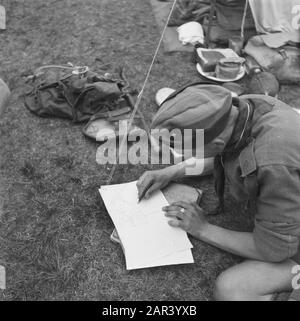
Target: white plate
point(228, 53)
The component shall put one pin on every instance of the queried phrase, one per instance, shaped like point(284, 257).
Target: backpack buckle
point(80, 71)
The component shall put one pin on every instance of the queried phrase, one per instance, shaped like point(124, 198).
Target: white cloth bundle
point(191, 33)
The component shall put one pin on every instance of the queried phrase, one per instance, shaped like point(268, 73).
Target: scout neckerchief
point(238, 141)
point(251, 107)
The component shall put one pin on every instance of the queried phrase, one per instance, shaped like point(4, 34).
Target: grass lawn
point(54, 229)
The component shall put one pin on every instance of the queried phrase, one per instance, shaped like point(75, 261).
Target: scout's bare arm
point(155, 180)
point(278, 201)
point(193, 221)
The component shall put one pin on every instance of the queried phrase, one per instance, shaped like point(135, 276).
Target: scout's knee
point(226, 288)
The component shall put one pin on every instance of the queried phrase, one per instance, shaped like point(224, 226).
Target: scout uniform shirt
point(268, 170)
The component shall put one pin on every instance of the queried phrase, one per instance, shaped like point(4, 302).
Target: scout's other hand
point(189, 217)
point(152, 181)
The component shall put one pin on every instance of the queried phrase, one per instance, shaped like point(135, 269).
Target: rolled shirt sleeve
point(277, 222)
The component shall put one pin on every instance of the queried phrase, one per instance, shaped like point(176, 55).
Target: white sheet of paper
point(181, 257)
point(143, 229)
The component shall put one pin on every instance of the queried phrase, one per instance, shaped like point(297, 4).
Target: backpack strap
point(112, 115)
point(269, 99)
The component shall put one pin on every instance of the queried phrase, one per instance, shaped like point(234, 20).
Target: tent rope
point(244, 20)
point(140, 95)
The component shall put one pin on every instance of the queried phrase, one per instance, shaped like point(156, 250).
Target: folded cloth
point(191, 32)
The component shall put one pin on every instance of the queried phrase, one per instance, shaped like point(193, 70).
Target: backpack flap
point(274, 53)
point(75, 97)
point(49, 101)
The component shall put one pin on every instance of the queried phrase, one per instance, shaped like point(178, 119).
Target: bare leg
point(254, 281)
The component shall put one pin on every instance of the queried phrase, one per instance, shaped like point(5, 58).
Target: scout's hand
point(152, 181)
point(189, 217)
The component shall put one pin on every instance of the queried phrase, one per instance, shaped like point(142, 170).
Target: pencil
point(144, 192)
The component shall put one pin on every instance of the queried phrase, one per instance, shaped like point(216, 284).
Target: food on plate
point(208, 59)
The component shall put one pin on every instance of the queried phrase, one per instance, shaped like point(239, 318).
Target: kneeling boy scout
point(255, 144)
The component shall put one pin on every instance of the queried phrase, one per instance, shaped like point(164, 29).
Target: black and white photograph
point(149, 153)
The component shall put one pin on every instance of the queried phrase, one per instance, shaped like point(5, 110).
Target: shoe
point(162, 95)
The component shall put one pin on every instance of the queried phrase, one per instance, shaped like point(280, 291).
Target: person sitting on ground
point(255, 144)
